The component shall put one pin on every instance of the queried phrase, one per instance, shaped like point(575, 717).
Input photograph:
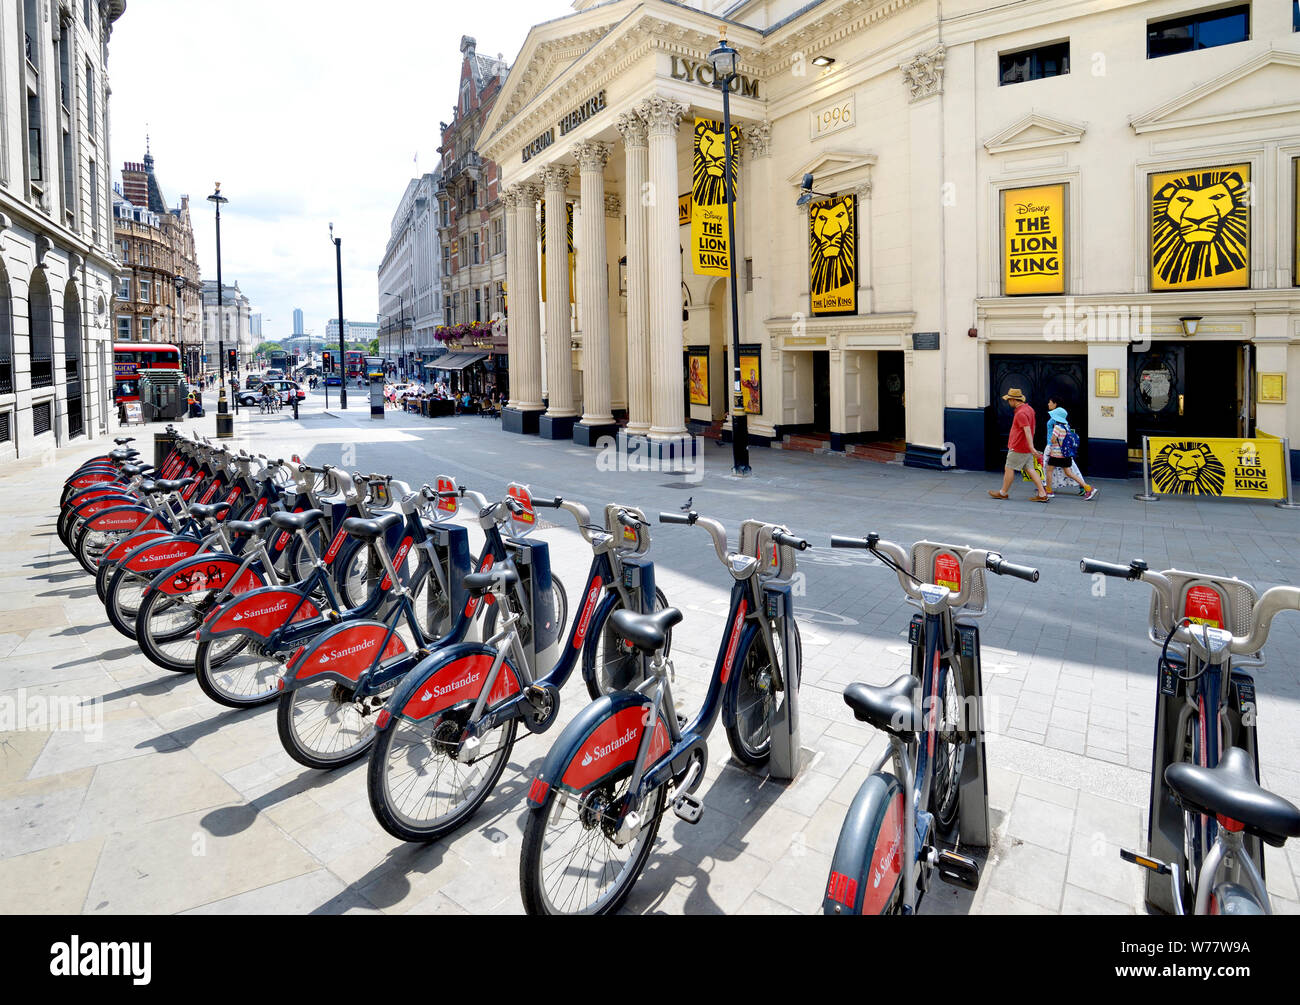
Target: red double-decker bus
point(132, 359)
point(356, 364)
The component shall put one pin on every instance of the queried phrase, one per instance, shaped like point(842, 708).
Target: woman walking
point(1062, 445)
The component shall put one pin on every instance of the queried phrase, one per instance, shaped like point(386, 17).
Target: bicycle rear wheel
point(949, 752)
point(237, 676)
point(755, 699)
point(321, 725)
point(166, 625)
point(570, 863)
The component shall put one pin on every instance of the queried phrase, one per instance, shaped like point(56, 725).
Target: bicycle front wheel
point(570, 862)
point(322, 725)
point(615, 664)
point(755, 698)
point(949, 751)
point(242, 678)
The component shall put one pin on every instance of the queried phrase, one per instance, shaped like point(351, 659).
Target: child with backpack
point(1062, 448)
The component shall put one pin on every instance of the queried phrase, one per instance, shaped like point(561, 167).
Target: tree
point(374, 347)
point(265, 347)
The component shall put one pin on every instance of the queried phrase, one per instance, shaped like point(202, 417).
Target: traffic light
point(232, 360)
point(328, 361)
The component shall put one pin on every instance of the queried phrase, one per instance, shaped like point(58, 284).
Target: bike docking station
point(1216, 602)
point(636, 587)
point(776, 578)
point(539, 631)
point(942, 564)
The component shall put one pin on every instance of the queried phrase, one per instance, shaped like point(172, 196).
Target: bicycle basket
point(933, 562)
point(632, 540)
point(1219, 601)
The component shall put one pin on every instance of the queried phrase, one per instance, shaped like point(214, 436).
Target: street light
point(723, 59)
point(178, 315)
point(225, 421)
point(343, 354)
point(401, 303)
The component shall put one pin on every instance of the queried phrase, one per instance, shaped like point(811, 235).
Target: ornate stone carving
point(663, 115)
point(924, 73)
point(555, 178)
point(758, 138)
point(527, 193)
point(613, 205)
point(592, 155)
point(633, 129)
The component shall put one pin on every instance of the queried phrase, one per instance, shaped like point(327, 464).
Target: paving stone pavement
point(163, 802)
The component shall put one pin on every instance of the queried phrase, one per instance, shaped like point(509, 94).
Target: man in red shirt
point(1020, 447)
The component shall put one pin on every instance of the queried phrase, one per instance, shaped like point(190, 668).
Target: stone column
point(557, 423)
point(593, 299)
point(636, 155)
point(525, 317)
point(668, 422)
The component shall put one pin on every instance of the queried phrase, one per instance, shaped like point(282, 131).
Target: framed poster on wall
point(751, 378)
point(833, 256)
point(698, 375)
point(1200, 229)
point(1033, 236)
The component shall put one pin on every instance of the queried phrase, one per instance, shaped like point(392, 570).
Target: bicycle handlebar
point(790, 541)
point(715, 529)
point(1092, 566)
point(999, 566)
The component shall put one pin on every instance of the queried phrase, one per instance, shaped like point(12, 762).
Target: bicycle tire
point(533, 870)
point(295, 730)
point(603, 673)
point(208, 673)
point(561, 597)
point(123, 585)
point(383, 789)
point(173, 646)
point(752, 702)
point(949, 757)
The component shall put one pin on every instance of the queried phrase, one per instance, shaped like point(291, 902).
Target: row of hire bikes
point(353, 602)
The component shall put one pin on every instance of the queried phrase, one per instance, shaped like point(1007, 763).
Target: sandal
point(1042, 499)
point(998, 495)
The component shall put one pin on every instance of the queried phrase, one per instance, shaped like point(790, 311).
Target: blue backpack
point(1070, 444)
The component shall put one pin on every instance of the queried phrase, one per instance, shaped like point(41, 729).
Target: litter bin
point(162, 446)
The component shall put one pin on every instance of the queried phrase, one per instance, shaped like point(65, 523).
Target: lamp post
point(225, 421)
point(178, 314)
point(343, 354)
point(401, 303)
point(723, 60)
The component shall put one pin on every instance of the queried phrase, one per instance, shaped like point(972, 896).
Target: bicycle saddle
point(645, 631)
point(359, 526)
point(149, 487)
point(889, 708)
point(173, 484)
point(1230, 790)
point(478, 583)
point(123, 454)
point(249, 526)
point(296, 521)
point(122, 441)
point(201, 511)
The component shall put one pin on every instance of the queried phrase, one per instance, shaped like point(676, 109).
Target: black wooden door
point(1156, 381)
point(1061, 378)
point(821, 392)
point(889, 374)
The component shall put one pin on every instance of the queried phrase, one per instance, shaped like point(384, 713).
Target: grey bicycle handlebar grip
point(553, 503)
point(837, 541)
point(790, 541)
point(1092, 565)
point(1002, 567)
point(682, 518)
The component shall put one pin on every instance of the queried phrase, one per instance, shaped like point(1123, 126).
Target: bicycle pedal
point(333, 616)
point(535, 695)
point(958, 870)
point(688, 808)
point(1154, 864)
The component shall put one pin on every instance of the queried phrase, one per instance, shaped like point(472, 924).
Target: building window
point(94, 202)
point(446, 310)
point(6, 336)
point(90, 100)
point(41, 418)
point(478, 304)
point(446, 260)
point(1295, 15)
point(1034, 64)
point(31, 28)
point(1198, 31)
point(446, 212)
point(146, 327)
point(69, 178)
point(124, 288)
point(144, 290)
point(498, 238)
point(41, 326)
point(65, 68)
point(124, 328)
point(4, 427)
point(474, 249)
point(35, 162)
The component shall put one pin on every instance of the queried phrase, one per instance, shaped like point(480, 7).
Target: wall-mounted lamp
point(822, 60)
point(973, 332)
point(806, 193)
point(1190, 325)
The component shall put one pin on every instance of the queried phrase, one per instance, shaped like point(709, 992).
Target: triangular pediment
point(833, 170)
point(1032, 132)
point(1268, 84)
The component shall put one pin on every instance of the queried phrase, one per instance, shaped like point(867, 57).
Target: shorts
point(1060, 462)
point(1019, 462)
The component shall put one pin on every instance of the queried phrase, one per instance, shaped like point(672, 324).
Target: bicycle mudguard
point(129, 544)
point(86, 508)
point(81, 481)
point(449, 677)
point(97, 491)
point(868, 862)
point(257, 613)
point(204, 572)
point(343, 653)
point(153, 556)
point(126, 518)
point(601, 739)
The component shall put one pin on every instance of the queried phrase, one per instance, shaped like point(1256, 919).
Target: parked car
point(253, 380)
point(333, 380)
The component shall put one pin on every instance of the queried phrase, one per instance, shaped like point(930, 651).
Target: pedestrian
point(1021, 454)
point(1062, 447)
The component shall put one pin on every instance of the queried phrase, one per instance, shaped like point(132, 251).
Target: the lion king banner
point(1217, 466)
point(710, 242)
point(568, 206)
point(833, 256)
point(1200, 229)
point(1033, 232)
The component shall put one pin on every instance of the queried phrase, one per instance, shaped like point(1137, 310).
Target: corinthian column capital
point(663, 115)
point(633, 129)
point(555, 178)
point(592, 155)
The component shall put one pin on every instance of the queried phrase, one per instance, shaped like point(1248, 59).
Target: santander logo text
point(440, 690)
point(272, 609)
point(338, 654)
point(599, 751)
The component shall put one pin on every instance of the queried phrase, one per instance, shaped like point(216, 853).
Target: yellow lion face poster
point(710, 241)
point(1200, 229)
point(833, 256)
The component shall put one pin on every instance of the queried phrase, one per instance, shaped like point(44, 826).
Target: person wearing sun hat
point(1020, 447)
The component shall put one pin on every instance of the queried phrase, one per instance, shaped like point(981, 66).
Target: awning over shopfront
point(458, 361)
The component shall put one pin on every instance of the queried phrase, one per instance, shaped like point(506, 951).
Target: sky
point(308, 112)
